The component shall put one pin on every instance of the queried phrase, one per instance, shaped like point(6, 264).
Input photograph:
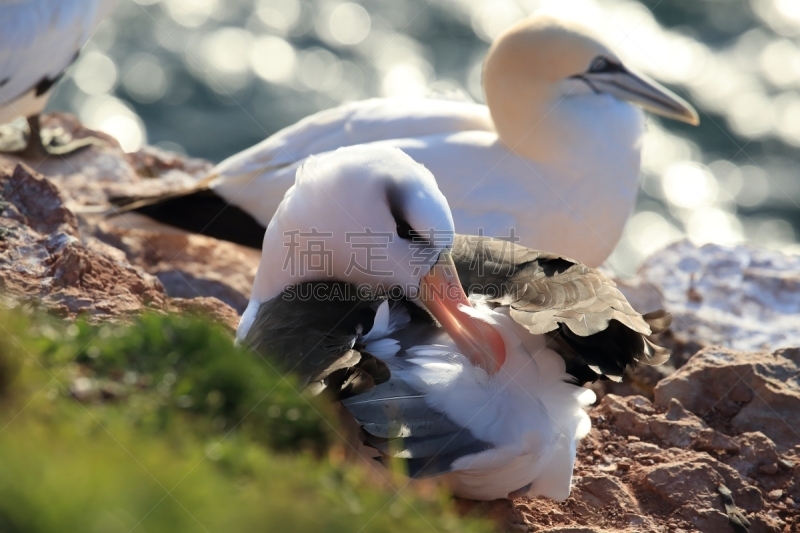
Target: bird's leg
point(36, 148)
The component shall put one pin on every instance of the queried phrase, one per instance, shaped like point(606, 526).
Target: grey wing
point(359, 122)
point(397, 421)
point(548, 294)
point(39, 39)
point(316, 340)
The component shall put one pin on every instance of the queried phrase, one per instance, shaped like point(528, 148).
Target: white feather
point(561, 206)
point(383, 348)
point(380, 325)
point(531, 416)
point(526, 411)
point(39, 39)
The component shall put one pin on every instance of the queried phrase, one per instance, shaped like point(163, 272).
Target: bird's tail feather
point(197, 210)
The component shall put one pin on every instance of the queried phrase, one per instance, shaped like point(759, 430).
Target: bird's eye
point(404, 230)
point(599, 65)
point(603, 64)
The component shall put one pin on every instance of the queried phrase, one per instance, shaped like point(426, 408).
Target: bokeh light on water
point(211, 77)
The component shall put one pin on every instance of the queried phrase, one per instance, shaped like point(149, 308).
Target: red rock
point(207, 307)
point(644, 466)
point(188, 266)
point(763, 382)
point(756, 449)
point(598, 492)
point(153, 162)
point(573, 529)
point(677, 427)
point(770, 469)
point(36, 202)
point(689, 483)
point(44, 258)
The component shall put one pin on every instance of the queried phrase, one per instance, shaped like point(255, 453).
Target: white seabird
point(553, 156)
point(489, 398)
point(39, 39)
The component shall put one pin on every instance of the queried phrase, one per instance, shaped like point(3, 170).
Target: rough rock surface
point(43, 258)
point(726, 417)
point(750, 391)
point(53, 258)
point(180, 265)
point(645, 468)
point(189, 266)
point(745, 298)
point(90, 177)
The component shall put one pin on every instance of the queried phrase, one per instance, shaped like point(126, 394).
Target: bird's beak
point(645, 92)
point(442, 295)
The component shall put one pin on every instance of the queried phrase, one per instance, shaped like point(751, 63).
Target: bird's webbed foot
point(39, 144)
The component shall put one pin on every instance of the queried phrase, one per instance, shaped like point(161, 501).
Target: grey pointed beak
point(643, 91)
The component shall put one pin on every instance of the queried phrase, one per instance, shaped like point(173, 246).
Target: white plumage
point(576, 205)
point(554, 157)
point(480, 401)
point(39, 39)
point(530, 415)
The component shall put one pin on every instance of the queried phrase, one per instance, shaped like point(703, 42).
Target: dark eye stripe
point(603, 64)
point(404, 230)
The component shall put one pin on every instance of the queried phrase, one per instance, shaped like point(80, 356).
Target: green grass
point(164, 426)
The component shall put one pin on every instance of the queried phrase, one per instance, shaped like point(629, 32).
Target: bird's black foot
point(42, 144)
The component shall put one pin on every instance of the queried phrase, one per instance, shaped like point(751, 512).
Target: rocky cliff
point(710, 442)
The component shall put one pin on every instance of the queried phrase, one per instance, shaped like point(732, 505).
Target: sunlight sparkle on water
point(273, 59)
point(689, 185)
point(349, 23)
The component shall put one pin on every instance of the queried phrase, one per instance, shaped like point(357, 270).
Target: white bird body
point(487, 396)
point(526, 411)
point(576, 204)
point(552, 159)
point(39, 39)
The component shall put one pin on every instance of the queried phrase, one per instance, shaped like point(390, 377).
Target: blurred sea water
point(212, 77)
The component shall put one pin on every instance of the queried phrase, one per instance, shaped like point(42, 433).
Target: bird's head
point(542, 62)
point(374, 218)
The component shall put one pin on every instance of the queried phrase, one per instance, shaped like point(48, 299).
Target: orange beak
point(442, 295)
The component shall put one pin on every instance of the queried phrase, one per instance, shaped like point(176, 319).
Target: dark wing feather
point(579, 307)
point(398, 423)
point(316, 339)
point(197, 210)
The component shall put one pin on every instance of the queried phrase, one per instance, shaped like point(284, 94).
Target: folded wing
point(598, 331)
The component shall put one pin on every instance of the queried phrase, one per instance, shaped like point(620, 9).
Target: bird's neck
point(567, 132)
point(266, 284)
point(291, 256)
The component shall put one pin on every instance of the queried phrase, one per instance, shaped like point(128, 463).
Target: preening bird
point(554, 156)
point(39, 40)
point(462, 356)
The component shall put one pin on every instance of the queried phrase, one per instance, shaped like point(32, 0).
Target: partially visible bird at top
point(554, 156)
point(39, 40)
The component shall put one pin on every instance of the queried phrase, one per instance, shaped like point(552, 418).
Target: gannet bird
point(359, 259)
point(39, 39)
point(554, 156)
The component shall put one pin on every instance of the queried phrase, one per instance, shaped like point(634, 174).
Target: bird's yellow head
point(542, 60)
point(544, 50)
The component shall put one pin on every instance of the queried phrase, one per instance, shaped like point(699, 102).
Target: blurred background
point(211, 77)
